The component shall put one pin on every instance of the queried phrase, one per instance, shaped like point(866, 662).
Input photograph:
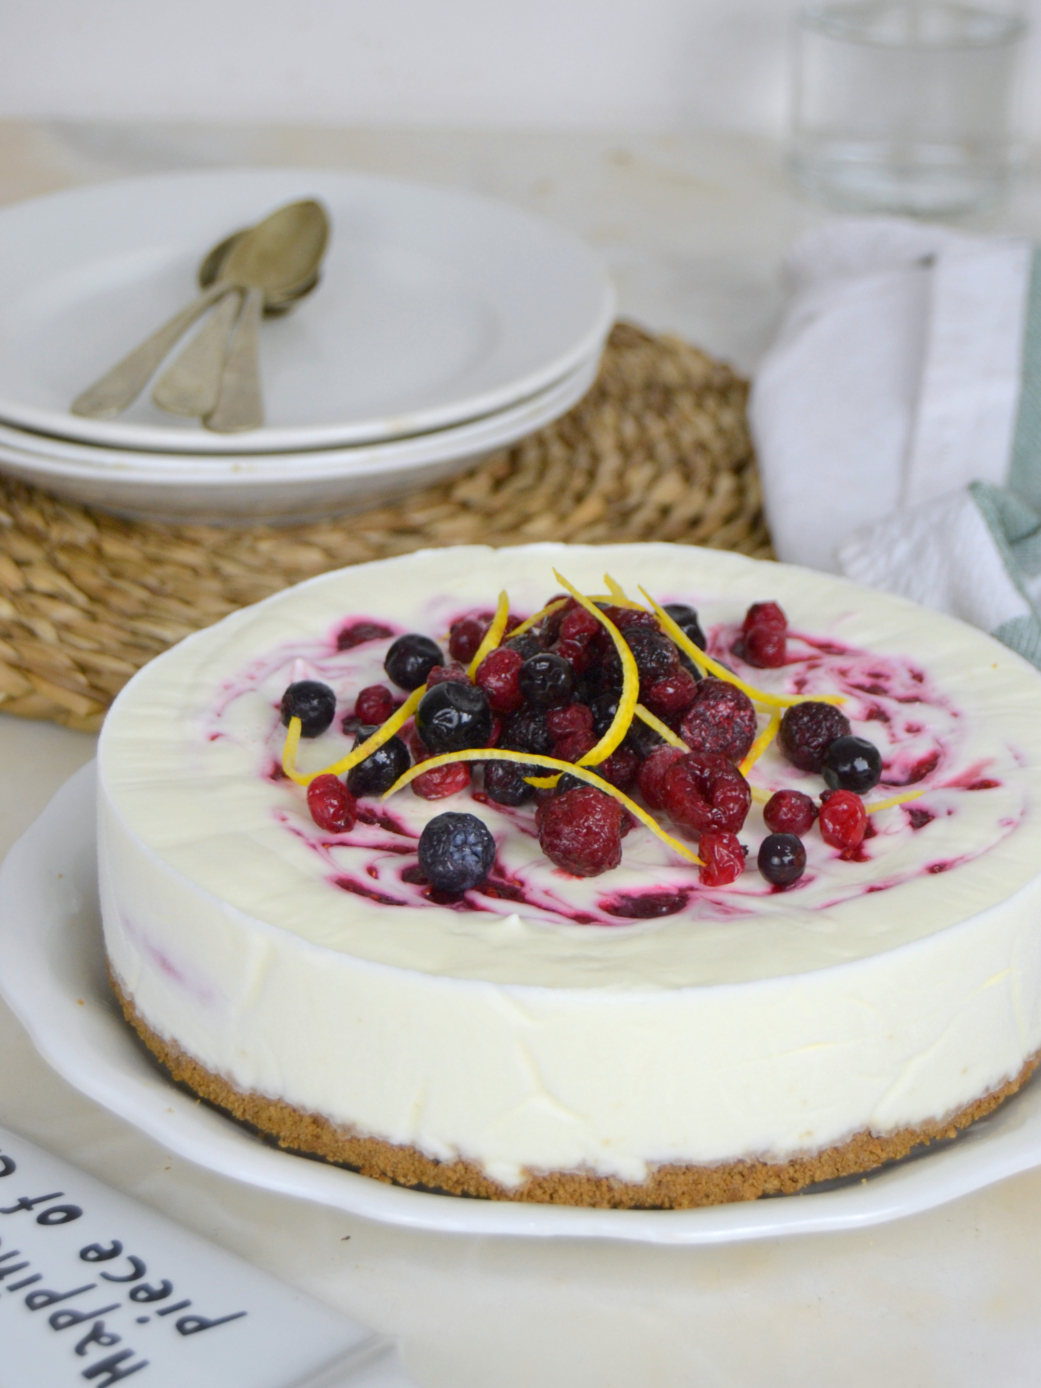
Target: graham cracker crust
point(666, 1188)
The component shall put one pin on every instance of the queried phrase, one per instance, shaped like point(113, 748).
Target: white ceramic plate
point(434, 306)
point(52, 975)
point(275, 486)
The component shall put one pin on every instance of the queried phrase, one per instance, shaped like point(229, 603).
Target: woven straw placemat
point(657, 450)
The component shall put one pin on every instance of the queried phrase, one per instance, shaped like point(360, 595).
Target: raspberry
point(452, 673)
point(581, 831)
point(652, 774)
point(331, 804)
point(720, 720)
point(572, 718)
point(766, 647)
point(497, 676)
point(789, 812)
point(806, 732)
point(764, 614)
point(704, 793)
point(572, 747)
point(313, 702)
point(723, 859)
point(782, 859)
point(673, 695)
point(375, 704)
point(466, 635)
point(442, 781)
point(620, 768)
point(843, 819)
point(359, 633)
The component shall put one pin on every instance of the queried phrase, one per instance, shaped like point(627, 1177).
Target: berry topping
point(526, 645)
point(442, 781)
point(806, 732)
point(764, 614)
point(573, 746)
point(527, 731)
point(655, 657)
point(381, 768)
point(782, 859)
point(843, 819)
point(581, 831)
point(766, 647)
point(620, 768)
point(721, 720)
point(703, 792)
point(453, 716)
point(546, 679)
point(456, 852)
point(572, 718)
point(411, 658)
point(723, 859)
point(852, 763)
point(789, 812)
point(505, 784)
point(671, 696)
point(497, 676)
point(652, 771)
point(359, 633)
point(313, 703)
point(452, 673)
point(374, 704)
point(466, 635)
point(687, 620)
point(331, 804)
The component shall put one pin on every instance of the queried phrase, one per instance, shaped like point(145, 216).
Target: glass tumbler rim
point(838, 19)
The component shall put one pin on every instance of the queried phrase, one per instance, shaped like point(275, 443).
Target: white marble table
point(693, 228)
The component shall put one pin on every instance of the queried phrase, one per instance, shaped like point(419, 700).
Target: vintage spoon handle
point(239, 404)
point(190, 386)
point(122, 385)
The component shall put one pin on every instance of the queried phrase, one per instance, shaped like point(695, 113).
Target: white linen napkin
point(897, 419)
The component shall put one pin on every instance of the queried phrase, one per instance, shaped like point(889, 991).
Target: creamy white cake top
point(188, 750)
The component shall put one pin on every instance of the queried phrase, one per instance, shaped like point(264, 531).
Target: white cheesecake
point(557, 1046)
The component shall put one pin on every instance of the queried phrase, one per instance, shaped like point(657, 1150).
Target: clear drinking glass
point(905, 107)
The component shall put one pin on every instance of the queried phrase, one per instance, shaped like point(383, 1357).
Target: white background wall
point(622, 64)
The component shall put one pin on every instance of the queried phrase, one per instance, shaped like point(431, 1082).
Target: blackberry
point(452, 717)
point(808, 730)
point(381, 768)
point(411, 658)
point(527, 731)
point(782, 859)
point(456, 852)
point(504, 781)
point(313, 703)
point(526, 645)
point(852, 763)
point(546, 679)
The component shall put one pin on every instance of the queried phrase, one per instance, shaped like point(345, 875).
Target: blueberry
point(452, 716)
point(687, 620)
point(313, 703)
point(456, 852)
point(527, 644)
point(504, 781)
point(527, 731)
point(782, 859)
point(546, 679)
point(852, 763)
point(411, 658)
point(381, 768)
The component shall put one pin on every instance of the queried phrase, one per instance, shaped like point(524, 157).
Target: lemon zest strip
point(583, 773)
point(618, 595)
point(894, 800)
point(382, 734)
point(612, 738)
point(537, 617)
point(761, 743)
point(493, 635)
point(713, 667)
point(759, 794)
point(662, 729)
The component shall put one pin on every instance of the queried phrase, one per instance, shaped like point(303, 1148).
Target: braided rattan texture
point(658, 450)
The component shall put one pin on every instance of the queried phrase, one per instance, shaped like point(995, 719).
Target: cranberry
point(572, 718)
point(723, 859)
point(806, 732)
point(628, 618)
point(505, 784)
point(466, 635)
point(497, 676)
point(331, 804)
point(546, 679)
point(620, 768)
point(765, 614)
point(720, 720)
point(580, 657)
point(673, 695)
point(652, 771)
point(703, 792)
point(452, 673)
point(852, 763)
point(579, 626)
point(410, 659)
point(374, 704)
point(789, 812)
point(313, 702)
point(766, 647)
point(782, 859)
point(359, 633)
point(442, 781)
point(843, 819)
point(581, 831)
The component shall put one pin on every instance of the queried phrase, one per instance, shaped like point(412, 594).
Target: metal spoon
point(281, 253)
point(274, 306)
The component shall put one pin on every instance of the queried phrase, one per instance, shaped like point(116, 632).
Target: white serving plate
point(282, 487)
point(52, 975)
point(434, 306)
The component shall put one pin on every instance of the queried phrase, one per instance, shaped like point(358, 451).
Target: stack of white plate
point(445, 326)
